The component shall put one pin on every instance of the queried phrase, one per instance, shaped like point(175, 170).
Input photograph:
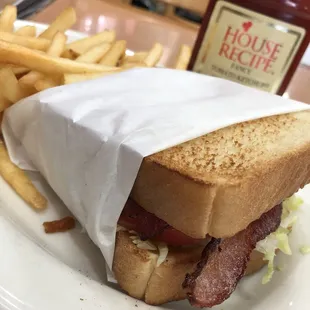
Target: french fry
point(20, 70)
point(33, 43)
point(64, 21)
point(4, 103)
point(1, 119)
point(94, 54)
point(25, 57)
point(16, 69)
point(132, 65)
point(75, 78)
point(58, 45)
point(69, 54)
point(83, 45)
point(19, 181)
point(26, 31)
point(29, 89)
point(30, 78)
point(184, 57)
point(10, 87)
point(116, 52)
point(45, 83)
point(60, 225)
point(7, 18)
point(56, 48)
point(136, 58)
point(154, 55)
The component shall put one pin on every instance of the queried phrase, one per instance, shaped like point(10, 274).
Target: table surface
point(141, 29)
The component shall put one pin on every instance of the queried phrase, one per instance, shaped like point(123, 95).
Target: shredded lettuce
point(279, 239)
point(163, 253)
point(279, 268)
point(305, 249)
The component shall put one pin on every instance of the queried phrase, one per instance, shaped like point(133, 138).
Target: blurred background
point(191, 11)
point(26, 7)
point(187, 10)
point(142, 23)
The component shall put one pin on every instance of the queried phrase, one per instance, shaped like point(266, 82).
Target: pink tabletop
point(141, 29)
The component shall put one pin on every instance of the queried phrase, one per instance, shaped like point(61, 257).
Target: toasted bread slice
point(165, 283)
point(221, 182)
point(132, 266)
point(136, 272)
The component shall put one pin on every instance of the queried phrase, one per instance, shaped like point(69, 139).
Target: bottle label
point(247, 47)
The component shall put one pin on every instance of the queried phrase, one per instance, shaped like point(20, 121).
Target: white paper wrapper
point(88, 139)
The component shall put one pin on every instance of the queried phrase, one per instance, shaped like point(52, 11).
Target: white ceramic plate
point(66, 271)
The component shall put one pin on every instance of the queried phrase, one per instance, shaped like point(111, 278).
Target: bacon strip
point(223, 262)
point(146, 224)
point(149, 226)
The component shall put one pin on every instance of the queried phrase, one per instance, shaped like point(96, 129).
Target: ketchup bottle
point(258, 43)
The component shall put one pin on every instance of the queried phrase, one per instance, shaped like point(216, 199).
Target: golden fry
point(83, 45)
point(94, 54)
point(116, 52)
point(136, 58)
point(1, 118)
point(4, 103)
point(58, 45)
point(70, 54)
point(74, 78)
point(10, 87)
point(25, 57)
point(31, 78)
point(45, 83)
point(7, 18)
point(60, 225)
point(33, 43)
point(184, 57)
point(19, 181)
point(27, 31)
point(132, 65)
point(16, 69)
point(56, 48)
point(63, 22)
point(19, 70)
point(154, 55)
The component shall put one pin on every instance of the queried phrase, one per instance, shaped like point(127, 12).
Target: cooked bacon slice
point(149, 226)
point(146, 224)
point(223, 262)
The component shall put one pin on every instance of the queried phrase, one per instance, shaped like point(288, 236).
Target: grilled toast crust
point(221, 182)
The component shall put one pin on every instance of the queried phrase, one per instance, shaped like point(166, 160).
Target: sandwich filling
point(223, 261)
point(149, 226)
point(278, 240)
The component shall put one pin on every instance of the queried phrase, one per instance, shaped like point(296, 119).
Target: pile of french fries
point(30, 63)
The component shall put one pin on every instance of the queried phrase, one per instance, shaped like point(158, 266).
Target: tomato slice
point(149, 226)
point(175, 237)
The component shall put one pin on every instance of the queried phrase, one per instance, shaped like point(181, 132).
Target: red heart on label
point(246, 26)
